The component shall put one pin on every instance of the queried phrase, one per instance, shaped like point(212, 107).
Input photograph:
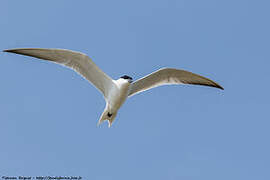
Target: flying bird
point(115, 92)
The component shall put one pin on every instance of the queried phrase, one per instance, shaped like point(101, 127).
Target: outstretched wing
point(168, 76)
point(77, 61)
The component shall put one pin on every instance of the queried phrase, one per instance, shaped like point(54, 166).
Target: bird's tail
point(107, 115)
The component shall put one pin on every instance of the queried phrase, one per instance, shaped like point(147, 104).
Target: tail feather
point(103, 117)
point(107, 115)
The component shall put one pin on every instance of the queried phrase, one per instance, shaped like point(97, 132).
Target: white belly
point(118, 95)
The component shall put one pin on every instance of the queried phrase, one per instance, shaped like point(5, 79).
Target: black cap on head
point(127, 77)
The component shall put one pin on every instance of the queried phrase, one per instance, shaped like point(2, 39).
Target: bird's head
point(127, 78)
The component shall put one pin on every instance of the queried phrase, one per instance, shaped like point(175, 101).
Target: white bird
point(115, 92)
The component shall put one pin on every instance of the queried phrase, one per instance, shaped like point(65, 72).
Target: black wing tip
point(215, 85)
point(15, 50)
point(9, 50)
point(220, 87)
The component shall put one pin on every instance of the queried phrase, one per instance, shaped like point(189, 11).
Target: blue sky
point(48, 114)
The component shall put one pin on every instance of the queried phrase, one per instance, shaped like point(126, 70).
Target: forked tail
point(107, 115)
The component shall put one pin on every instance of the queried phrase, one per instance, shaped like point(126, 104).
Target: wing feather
point(168, 76)
point(77, 61)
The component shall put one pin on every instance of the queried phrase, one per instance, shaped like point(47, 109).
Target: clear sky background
point(49, 114)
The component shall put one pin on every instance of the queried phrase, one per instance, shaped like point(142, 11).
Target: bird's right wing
point(77, 61)
point(167, 76)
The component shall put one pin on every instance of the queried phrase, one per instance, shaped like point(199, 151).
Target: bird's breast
point(118, 94)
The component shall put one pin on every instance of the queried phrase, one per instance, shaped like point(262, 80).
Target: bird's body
point(115, 92)
point(116, 98)
point(118, 95)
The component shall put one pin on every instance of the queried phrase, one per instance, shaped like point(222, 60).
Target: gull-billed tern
point(115, 92)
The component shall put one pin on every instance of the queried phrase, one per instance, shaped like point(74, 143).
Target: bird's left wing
point(77, 61)
point(167, 76)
